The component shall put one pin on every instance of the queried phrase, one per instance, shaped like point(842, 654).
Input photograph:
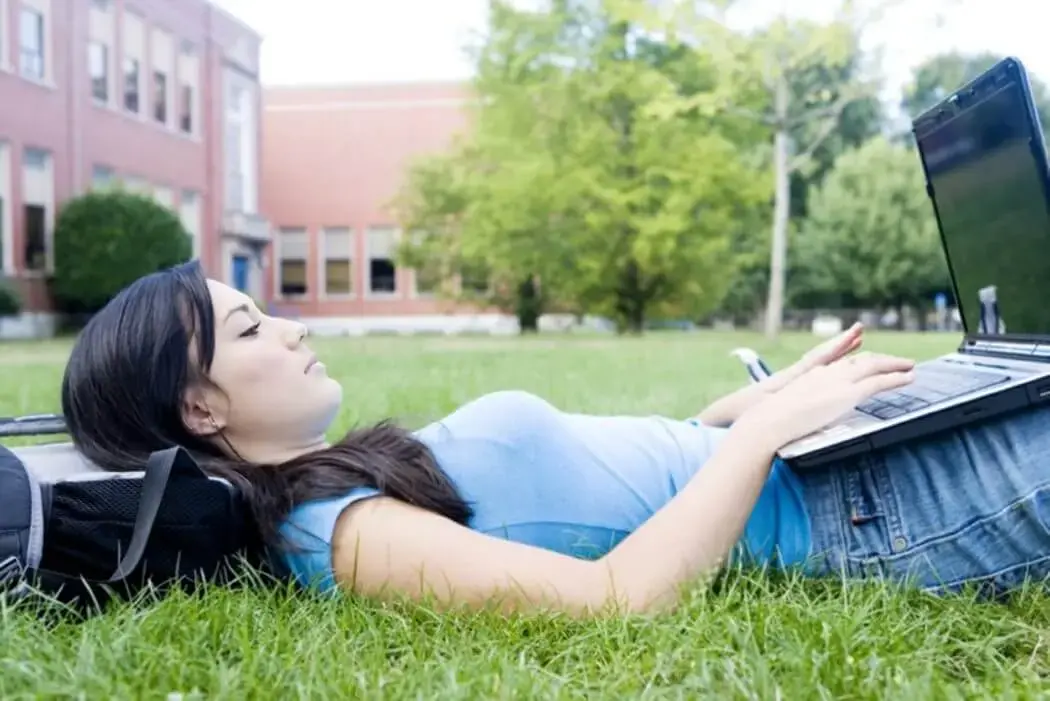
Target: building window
point(234, 146)
point(474, 277)
point(31, 43)
point(98, 64)
point(190, 216)
point(3, 235)
point(35, 237)
point(338, 257)
point(160, 97)
point(427, 280)
point(37, 197)
point(186, 110)
point(101, 177)
point(7, 243)
point(189, 79)
point(131, 85)
point(382, 271)
point(164, 196)
point(293, 246)
point(35, 159)
point(137, 185)
point(5, 47)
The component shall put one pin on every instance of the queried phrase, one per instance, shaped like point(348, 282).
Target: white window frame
point(165, 95)
point(108, 64)
point(49, 215)
point(186, 194)
point(322, 263)
point(45, 54)
point(7, 216)
point(139, 110)
point(6, 43)
point(100, 169)
point(187, 48)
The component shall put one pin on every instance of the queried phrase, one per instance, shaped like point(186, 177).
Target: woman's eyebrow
point(239, 308)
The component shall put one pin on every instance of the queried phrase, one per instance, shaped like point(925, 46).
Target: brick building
point(160, 95)
point(333, 160)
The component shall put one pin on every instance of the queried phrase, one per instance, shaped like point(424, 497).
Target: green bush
point(10, 304)
point(106, 240)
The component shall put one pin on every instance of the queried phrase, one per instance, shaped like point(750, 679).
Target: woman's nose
point(295, 333)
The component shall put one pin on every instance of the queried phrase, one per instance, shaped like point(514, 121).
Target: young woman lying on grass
point(510, 501)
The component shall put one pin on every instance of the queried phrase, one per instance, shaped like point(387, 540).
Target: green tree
point(871, 237)
point(778, 66)
point(859, 121)
point(106, 240)
point(574, 177)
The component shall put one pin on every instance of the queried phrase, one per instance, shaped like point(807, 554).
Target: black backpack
point(81, 535)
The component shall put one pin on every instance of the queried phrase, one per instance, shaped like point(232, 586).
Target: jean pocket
point(998, 551)
point(874, 525)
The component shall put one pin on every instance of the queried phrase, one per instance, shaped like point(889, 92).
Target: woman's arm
point(383, 547)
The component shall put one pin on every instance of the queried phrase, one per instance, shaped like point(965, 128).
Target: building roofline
point(215, 7)
point(334, 86)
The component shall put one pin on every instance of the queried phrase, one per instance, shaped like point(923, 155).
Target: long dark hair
point(122, 398)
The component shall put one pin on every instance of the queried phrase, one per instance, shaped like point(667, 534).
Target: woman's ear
point(200, 415)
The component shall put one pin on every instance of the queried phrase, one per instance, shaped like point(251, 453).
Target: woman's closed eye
point(252, 330)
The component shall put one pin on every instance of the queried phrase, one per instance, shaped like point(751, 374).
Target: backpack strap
point(159, 469)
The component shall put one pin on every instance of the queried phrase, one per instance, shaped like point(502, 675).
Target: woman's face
point(270, 390)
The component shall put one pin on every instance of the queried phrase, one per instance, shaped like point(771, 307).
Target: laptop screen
point(994, 218)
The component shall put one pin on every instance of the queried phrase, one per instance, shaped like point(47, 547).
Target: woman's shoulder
point(307, 532)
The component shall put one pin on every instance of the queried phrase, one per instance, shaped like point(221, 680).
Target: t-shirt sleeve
point(308, 535)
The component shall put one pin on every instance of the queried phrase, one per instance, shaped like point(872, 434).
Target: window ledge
point(39, 82)
point(142, 118)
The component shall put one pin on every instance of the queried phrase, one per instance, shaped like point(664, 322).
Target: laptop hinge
point(1012, 349)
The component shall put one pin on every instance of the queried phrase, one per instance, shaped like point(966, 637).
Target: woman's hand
point(727, 409)
point(822, 395)
point(823, 354)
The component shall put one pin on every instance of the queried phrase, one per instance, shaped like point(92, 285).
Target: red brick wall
point(336, 157)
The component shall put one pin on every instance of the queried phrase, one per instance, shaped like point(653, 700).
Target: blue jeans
point(967, 506)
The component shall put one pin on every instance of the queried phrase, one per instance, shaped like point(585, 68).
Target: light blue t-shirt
point(572, 483)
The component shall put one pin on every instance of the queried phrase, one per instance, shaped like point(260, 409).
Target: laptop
point(987, 173)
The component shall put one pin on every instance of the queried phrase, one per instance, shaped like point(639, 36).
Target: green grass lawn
point(747, 637)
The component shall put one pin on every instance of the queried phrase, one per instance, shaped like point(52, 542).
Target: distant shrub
point(106, 240)
point(10, 303)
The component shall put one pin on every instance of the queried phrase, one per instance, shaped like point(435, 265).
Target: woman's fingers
point(833, 349)
point(884, 382)
point(864, 365)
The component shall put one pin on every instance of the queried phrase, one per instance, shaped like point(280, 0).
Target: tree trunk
point(631, 300)
point(781, 214)
point(530, 306)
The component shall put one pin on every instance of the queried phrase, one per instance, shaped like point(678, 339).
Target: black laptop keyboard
point(933, 384)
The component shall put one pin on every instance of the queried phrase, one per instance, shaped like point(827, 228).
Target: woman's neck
point(276, 452)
